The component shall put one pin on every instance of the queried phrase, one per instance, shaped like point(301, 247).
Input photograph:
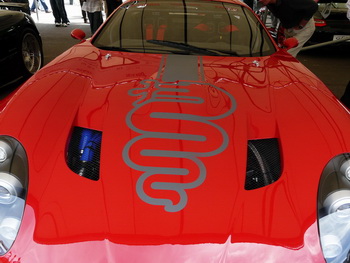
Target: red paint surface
point(72, 219)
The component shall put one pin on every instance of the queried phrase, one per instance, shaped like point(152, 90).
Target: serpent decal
point(151, 93)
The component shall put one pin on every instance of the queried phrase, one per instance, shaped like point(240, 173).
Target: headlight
point(334, 209)
point(13, 188)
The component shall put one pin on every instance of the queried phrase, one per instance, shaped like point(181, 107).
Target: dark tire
point(31, 53)
point(345, 99)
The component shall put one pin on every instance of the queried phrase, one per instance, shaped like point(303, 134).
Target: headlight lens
point(13, 188)
point(334, 209)
point(5, 151)
point(10, 188)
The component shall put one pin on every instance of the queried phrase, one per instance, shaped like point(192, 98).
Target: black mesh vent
point(83, 156)
point(263, 163)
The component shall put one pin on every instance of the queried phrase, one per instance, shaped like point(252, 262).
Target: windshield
point(185, 27)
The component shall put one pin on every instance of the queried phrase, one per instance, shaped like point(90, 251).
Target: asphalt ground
point(331, 64)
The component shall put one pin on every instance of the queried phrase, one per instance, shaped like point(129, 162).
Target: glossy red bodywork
point(320, 22)
point(69, 218)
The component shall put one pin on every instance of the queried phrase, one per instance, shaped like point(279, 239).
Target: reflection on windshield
point(186, 27)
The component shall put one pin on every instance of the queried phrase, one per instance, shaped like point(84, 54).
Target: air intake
point(263, 163)
point(83, 155)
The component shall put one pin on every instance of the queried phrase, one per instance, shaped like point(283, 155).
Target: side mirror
point(290, 43)
point(78, 34)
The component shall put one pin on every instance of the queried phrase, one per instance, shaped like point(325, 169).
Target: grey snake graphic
point(154, 92)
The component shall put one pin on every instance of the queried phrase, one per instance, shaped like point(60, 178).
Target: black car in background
point(17, 5)
point(21, 53)
point(331, 22)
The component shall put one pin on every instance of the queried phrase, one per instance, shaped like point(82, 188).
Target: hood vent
point(263, 163)
point(83, 152)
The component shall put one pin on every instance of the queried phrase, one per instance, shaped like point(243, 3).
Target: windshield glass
point(185, 27)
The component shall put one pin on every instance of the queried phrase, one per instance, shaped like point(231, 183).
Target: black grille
point(83, 154)
point(263, 163)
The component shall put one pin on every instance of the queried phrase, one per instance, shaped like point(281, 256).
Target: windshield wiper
point(183, 46)
point(139, 49)
point(226, 52)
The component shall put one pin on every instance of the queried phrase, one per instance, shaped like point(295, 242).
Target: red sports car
point(178, 133)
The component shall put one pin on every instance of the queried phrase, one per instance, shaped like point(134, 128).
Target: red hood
point(179, 124)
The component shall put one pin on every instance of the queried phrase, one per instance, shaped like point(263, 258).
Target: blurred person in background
point(83, 13)
point(36, 6)
point(296, 17)
point(112, 5)
point(250, 3)
point(94, 9)
point(59, 13)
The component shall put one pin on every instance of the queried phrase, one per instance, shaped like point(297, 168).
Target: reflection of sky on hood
point(27, 250)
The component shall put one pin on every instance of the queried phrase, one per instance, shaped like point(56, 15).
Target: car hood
point(175, 131)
